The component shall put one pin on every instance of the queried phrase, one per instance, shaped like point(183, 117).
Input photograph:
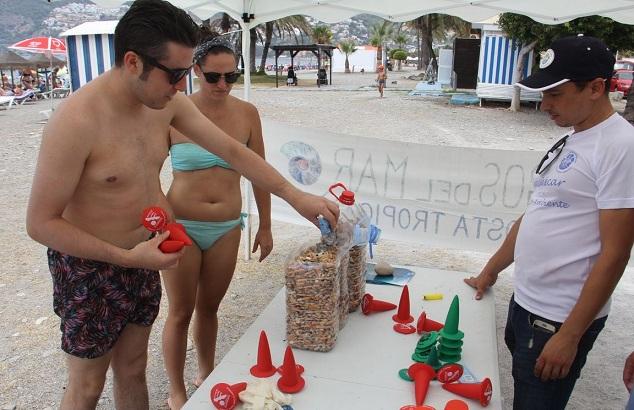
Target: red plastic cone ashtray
point(404, 329)
point(422, 374)
point(264, 366)
point(456, 405)
point(369, 305)
point(224, 396)
point(299, 367)
point(449, 373)
point(168, 246)
point(403, 315)
point(154, 218)
point(477, 391)
point(178, 233)
point(424, 324)
point(291, 381)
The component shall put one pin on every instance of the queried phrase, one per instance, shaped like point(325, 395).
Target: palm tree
point(400, 40)
point(292, 25)
point(435, 27)
point(379, 34)
point(347, 47)
point(322, 34)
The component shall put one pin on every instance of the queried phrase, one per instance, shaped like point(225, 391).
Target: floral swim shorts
point(96, 300)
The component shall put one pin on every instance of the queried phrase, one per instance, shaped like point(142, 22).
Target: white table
point(361, 372)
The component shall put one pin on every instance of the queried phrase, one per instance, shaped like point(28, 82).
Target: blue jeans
point(526, 343)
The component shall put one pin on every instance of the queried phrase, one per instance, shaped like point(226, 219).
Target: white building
point(364, 57)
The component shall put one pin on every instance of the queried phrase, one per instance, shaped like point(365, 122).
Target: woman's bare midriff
point(211, 194)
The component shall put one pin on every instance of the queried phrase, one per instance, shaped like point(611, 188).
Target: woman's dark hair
point(214, 43)
point(148, 26)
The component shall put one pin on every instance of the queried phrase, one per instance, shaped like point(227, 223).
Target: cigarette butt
point(432, 296)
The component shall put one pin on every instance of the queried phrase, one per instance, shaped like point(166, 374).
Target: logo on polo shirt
point(567, 162)
point(546, 58)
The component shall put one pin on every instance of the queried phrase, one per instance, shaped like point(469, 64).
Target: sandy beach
point(32, 374)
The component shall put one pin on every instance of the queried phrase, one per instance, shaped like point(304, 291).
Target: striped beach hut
point(90, 48)
point(498, 60)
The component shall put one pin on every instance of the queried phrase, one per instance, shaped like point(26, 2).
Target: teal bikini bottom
point(206, 233)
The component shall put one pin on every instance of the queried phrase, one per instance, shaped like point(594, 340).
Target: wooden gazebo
point(294, 49)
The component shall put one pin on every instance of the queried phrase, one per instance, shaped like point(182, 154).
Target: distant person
point(98, 169)
point(574, 240)
point(381, 78)
point(291, 77)
point(27, 79)
point(54, 78)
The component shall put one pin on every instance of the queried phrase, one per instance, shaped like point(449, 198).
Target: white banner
point(463, 198)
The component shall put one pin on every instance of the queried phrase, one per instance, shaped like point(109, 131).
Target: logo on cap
point(546, 58)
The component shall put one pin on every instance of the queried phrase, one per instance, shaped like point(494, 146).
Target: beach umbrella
point(42, 45)
point(12, 60)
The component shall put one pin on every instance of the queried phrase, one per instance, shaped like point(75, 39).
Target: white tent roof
point(331, 11)
point(92, 27)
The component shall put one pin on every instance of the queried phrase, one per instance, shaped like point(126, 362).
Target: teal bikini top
point(191, 157)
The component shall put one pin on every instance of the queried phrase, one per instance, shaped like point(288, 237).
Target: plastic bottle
point(350, 211)
point(363, 232)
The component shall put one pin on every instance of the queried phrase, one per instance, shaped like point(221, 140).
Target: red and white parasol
point(45, 45)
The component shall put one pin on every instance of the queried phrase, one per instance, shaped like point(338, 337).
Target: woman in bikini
point(205, 197)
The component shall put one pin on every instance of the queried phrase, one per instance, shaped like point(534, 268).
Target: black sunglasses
point(175, 74)
point(559, 147)
point(230, 78)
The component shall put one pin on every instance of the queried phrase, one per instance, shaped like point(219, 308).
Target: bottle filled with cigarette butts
point(355, 229)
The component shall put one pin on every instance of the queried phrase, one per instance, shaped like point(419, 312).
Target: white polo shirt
point(558, 241)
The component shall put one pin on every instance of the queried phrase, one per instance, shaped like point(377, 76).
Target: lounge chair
point(8, 100)
point(60, 92)
point(28, 95)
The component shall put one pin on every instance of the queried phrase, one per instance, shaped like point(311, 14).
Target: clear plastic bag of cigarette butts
point(313, 290)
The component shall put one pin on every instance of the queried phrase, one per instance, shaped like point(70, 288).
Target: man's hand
point(263, 240)
point(312, 206)
point(147, 255)
point(481, 282)
point(556, 358)
point(628, 372)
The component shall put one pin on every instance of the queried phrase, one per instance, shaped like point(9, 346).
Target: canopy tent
point(250, 13)
point(332, 11)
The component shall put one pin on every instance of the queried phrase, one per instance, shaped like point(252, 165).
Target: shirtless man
point(98, 168)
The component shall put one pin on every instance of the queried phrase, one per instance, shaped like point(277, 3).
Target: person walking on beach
point(98, 168)
point(205, 196)
point(381, 78)
point(574, 240)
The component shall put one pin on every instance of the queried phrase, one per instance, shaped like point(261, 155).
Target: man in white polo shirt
point(574, 240)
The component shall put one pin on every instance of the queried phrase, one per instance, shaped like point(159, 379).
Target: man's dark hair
point(148, 26)
point(583, 83)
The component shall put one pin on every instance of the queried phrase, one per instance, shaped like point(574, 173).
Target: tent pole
point(247, 88)
point(50, 96)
